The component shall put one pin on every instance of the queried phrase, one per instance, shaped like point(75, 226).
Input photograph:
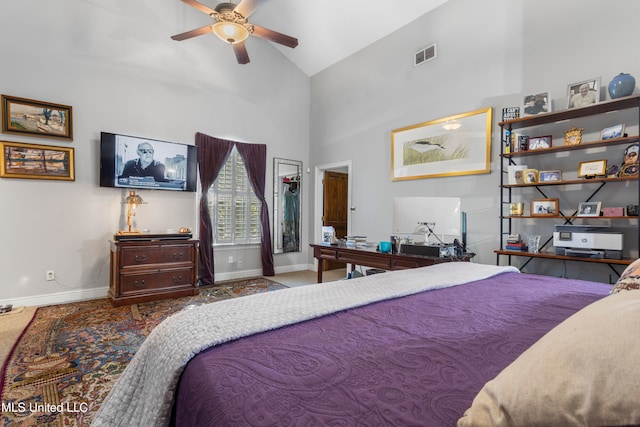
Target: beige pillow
point(584, 372)
point(629, 279)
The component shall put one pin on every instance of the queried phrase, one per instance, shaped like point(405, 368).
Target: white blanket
point(143, 395)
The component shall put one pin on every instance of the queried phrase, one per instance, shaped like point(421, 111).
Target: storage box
point(613, 211)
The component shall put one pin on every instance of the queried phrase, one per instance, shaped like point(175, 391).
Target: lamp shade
point(230, 32)
point(133, 199)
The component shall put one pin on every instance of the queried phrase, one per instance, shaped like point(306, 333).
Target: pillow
point(629, 279)
point(584, 372)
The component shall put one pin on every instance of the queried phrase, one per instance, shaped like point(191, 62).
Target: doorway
point(339, 174)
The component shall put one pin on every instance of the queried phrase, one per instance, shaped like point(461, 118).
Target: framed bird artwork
point(451, 146)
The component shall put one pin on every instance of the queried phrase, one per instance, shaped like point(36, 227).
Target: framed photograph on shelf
point(545, 207)
point(592, 169)
point(36, 118)
point(540, 142)
point(450, 146)
point(515, 174)
point(536, 104)
point(616, 131)
point(573, 136)
point(550, 176)
point(18, 160)
point(589, 209)
point(530, 176)
point(583, 93)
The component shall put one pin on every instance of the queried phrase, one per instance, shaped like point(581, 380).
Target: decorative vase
point(622, 85)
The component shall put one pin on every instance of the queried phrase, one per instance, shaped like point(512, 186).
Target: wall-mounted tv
point(134, 162)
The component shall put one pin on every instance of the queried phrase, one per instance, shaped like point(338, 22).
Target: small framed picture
point(36, 118)
point(573, 136)
point(537, 104)
point(592, 169)
point(544, 207)
point(583, 93)
point(20, 160)
point(540, 142)
point(530, 176)
point(616, 131)
point(550, 176)
point(589, 209)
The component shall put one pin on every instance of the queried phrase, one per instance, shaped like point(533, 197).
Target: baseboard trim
point(59, 297)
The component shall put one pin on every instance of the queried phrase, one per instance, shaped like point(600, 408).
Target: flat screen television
point(134, 162)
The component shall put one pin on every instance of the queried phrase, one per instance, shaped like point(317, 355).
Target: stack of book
point(356, 241)
point(515, 244)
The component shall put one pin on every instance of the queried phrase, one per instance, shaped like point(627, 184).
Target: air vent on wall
point(424, 55)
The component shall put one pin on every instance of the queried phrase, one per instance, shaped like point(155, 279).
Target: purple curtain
point(255, 160)
point(212, 154)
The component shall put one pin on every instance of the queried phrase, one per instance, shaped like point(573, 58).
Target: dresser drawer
point(148, 255)
point(155, 280)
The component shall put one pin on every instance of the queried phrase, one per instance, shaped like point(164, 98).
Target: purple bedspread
point(412, 361)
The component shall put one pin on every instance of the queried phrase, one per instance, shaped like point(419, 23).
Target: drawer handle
point(140, 258)
point(177, 279)
point(177, 255)
point(138, 285)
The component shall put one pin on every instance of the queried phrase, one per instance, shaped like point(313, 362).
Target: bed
point(433, 346)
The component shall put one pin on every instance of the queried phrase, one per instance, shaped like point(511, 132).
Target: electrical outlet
point(51, 275)
point(239, 264)
point(230, 259)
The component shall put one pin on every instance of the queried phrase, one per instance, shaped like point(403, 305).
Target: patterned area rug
point(70, 355)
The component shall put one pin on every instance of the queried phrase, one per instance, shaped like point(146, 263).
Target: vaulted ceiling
point(331, 30)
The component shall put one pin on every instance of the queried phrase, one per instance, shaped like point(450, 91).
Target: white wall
point(490, 54)
point(115, 64)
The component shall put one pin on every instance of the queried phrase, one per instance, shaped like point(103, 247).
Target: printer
point(588, 241)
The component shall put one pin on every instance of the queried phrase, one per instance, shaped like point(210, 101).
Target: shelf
point(567, 217)
point(581, 146)
point(549, 255)
point(552, 123)
point(574, 113)
point(574, 181)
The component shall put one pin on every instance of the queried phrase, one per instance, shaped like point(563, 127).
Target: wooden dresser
point(149, 270)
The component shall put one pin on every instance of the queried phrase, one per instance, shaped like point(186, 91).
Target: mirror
point(287, 198)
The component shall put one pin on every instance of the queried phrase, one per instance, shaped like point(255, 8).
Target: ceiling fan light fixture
point(230, 32)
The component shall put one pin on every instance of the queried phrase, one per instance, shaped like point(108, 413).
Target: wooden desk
point(369, 257)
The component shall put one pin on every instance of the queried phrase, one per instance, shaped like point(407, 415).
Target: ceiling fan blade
point(241, 52)
point(193, 33)
point(274, 36)
point(247, 7)
point(200, 6)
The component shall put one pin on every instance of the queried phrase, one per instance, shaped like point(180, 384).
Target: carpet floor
point(70, 355)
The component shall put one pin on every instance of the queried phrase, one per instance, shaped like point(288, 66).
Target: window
point(233, 205)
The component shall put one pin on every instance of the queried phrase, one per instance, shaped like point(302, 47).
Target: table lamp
point(132, 201)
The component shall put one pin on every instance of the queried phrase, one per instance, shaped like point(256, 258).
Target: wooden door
point(335, 207)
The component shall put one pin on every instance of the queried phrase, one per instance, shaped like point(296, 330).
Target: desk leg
point(320, 267)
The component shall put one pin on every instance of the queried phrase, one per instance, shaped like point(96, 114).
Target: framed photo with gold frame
point(530, 176)
point(36, 118)
point(545, 207)
point(18, 160)
point(450, 146)
point(592, 169)
point(573, 136)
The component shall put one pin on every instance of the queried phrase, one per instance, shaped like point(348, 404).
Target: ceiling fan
point(231, 26)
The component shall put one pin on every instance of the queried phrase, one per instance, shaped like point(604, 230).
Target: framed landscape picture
point(18, 160)
point(451, 146)
point(36, 118)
